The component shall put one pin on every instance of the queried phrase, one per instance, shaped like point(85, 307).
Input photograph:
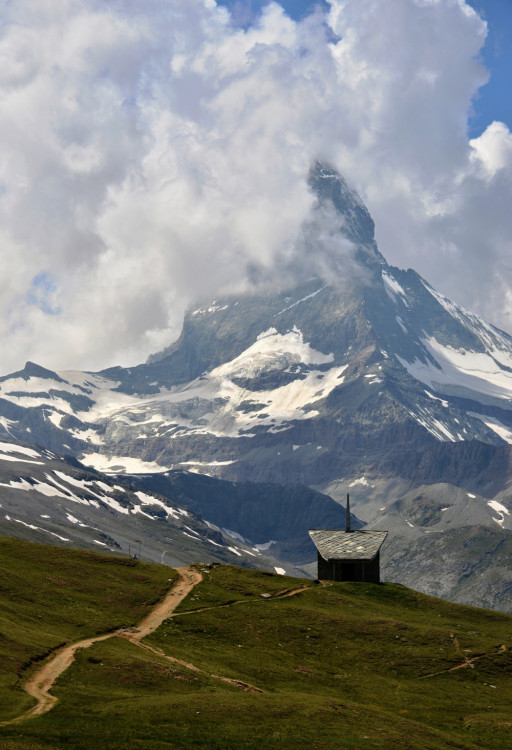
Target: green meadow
point(336, 665)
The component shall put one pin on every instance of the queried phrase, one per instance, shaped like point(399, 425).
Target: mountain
point(357, 377)
point(311, 383)
point(450, 543)
point(178, 517)
point(276, 518)
point(48, 498)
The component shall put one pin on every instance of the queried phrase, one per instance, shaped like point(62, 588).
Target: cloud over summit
point(153, 152)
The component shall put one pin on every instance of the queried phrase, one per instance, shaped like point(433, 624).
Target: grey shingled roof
point(334, 544)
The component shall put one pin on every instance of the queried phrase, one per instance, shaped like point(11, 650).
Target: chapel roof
point(334, 544)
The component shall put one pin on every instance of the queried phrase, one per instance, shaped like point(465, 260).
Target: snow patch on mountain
point(213, 308)
point(63, 491)
point(4, 457)
point(496, 426)
point(206, 463)
point(436, 428)
point(121, 464)
point(216, 404)
point(500, 509)
point(235, 551)
point(36, 528)
point(174, 512)
point(74, 520)
point(88, 435)
point(281, 405)
point(401, 323)
point(302, 299)
point(18, 484)
point(361, 481)
point(457, 371)
point(115, 505)
point(137, 509)
point(272, 351)
point(35, 392)
point(87, 382)
point(8, 424)
point(497, 343)
point(434, 398)
point(44, 488)
point(393, 289)
point(12, 448)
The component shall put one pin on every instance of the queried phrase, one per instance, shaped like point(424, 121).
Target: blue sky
point(494, 101)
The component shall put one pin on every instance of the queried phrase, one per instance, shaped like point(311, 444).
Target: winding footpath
point(39, 685)
point(468, 661)
point(41, 682)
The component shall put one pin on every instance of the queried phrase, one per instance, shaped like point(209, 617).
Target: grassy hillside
point(332, 666)
point(50, 596)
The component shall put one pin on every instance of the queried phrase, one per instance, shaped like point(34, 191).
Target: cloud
point(154, 152)
point(438, 199)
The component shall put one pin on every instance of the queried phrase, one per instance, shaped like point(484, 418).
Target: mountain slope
point(450, 543)
point(275, 518)
point(47, 498)
point(336, 666)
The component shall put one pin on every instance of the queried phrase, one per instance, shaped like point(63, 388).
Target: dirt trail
point(286, 593)
point(468, 662)
point(189, 577)
point(278, 595)
point(41, 682)
point(135, 637)
point(229, 680)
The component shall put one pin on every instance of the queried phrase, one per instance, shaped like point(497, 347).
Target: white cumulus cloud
point(155, 152)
